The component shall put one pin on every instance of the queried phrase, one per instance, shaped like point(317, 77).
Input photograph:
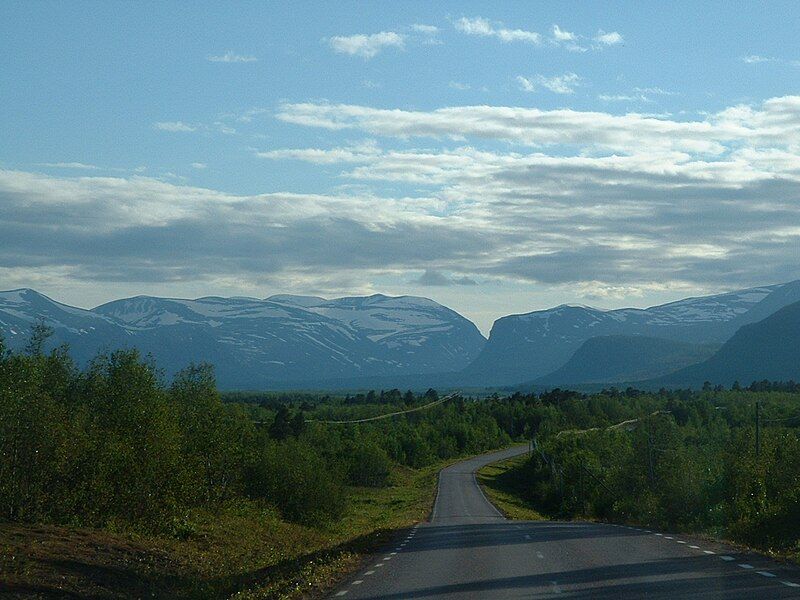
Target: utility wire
point(387, 415)
point(615, 426)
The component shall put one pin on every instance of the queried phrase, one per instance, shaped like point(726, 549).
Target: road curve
point(469, 550)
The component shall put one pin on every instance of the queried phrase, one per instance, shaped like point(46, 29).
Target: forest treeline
point(715, 461)
point(116, 445)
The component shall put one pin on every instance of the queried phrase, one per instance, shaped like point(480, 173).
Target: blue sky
point(497, 157)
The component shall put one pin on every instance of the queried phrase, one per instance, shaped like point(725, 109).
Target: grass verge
point(243, 551)
point(500, 483)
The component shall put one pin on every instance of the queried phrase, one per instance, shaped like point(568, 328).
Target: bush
point(302, 486)
point(368, 465)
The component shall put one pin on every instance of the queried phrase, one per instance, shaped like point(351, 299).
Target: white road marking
point(392, 553)
point(539, 555)
point(647, 531)
point(387, 558)
point(709, 551)
point(369, 573)
point(695, 547)
point(667, 537)
point(790, 584)
point(660, 534)
point(342, 593)
point(680, 541)
point(379, 565)
point(726, 557)
point(765, 573)
point(358, 582)
point(745, 566)
point(480, 489)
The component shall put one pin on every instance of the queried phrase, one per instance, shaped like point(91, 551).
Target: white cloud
point(620, 98)
point(534, 127)
point(426, 29)
point(174, 126)
point(608, 38)
point(525, 84)
point(199, 165)
point(366, 46)
point(571, 41)
point(560, 35)
point(232, 57)
point(655, 91)
point(755, 58)
point(482, 27)
point(70, 165)
point(560, 84)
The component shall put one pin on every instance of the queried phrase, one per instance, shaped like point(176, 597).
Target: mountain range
point(287, 341)
point(254, 343)
point(526, 347)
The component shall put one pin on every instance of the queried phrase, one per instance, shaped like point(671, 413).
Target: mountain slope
point(768, 349)
point(528, 346)
point(256, 343)
point(618, 358)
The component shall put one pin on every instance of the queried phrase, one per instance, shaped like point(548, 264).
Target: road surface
point(469, 550)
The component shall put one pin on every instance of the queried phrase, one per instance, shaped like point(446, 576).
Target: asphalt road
point(469, 550)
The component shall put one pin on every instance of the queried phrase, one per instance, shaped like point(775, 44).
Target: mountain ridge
point(524, 347)
point(254, 343)
point(292, 340)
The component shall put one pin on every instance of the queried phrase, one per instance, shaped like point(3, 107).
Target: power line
point(619, 425)
point(387, 415)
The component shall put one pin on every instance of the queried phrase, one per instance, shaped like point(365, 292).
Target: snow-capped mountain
point(255, 343)
point(284, 341)
point(527, 346)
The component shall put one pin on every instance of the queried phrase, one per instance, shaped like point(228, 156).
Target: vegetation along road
point(470, 550)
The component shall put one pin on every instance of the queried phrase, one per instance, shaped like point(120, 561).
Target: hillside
point(767, 349)
point(618, 358)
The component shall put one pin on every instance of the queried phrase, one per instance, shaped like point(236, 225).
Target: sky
point(496, 157)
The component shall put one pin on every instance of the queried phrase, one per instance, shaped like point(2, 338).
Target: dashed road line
point(745, 566)
point(709, 551)
point(791, 584)
point(695, 547)
point(369, 573)
point(680, 541)
point(728, 558)
point(358, 582)
point(765, 573)
point(342, 593)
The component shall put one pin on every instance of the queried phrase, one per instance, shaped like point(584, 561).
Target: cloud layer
point(603, 204)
